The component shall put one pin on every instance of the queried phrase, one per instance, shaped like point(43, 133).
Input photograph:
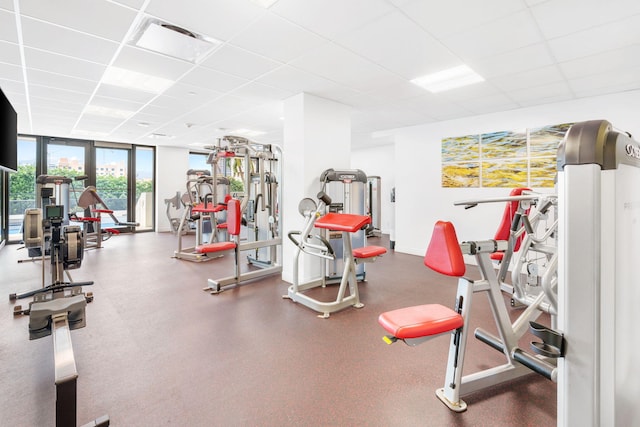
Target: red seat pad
point(111, 230)
point(107, 211)
point(369, 251)
point(215, 247)
point(420, 321)
point(343, 222)
point(85, 219)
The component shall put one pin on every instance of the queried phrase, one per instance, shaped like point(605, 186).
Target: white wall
point(379, 161)
point(420, 199)
point(171, 175)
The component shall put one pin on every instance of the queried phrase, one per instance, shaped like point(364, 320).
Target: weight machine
point(204, 206)
point(318, 246)
point(259, 205)
point(58, 308)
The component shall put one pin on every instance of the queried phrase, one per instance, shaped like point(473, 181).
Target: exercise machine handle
point(304, 246)
point(324, 197)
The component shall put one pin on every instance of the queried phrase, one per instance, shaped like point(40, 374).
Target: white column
point(317, 136)
point(171, 176)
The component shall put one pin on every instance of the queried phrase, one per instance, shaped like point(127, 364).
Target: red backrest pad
point(504, 229)
point(234, 217)
point(443, 254)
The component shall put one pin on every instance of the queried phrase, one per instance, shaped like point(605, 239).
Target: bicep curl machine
point(58, 308)
point(317, 246)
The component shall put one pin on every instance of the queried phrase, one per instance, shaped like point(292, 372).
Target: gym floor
point(157, 350)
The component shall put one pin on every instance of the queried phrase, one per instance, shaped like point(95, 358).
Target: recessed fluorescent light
point(134, 80)
point(173, 41)
point(264, 3)
point(98, 110)
point(448, 79)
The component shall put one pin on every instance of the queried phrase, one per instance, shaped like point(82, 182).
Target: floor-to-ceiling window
point(112, 167)
point(22, 186)
point(145, 187)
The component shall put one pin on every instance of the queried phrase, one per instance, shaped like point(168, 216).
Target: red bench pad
point(369, 251)
point(420, 321)
point(85, 219)
point(200, 208)
point(215, 247)
point(107, 211)
point(343, 222)
point(111, 231)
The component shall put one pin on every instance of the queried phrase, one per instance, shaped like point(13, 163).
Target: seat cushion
point(420, 321)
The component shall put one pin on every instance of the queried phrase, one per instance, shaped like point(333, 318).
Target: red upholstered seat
point(234, 221)
point(111, 231)
point(420, 321)
point(209, 208)
point(107, 211)
point(85, 219)
point(443, 254)
point(215, 247)
point(343, 222)
point(504, 229)
point(369, 251)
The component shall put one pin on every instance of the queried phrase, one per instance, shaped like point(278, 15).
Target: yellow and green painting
point(504, 159)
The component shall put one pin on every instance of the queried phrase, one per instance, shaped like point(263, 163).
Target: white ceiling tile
point(56, 39)
point(8, 31)
point(117, 92)
point(453, 17)
point(103, 19)
point(6, 4)
point(532, 78)
point(420, 53)
point(239, 62)
point(330, 18)
point(474, 91)
point(117, 104)
point(490, 104)
point(515, 61)
point(294, 80)
point(276, 38)
point(219, 109)
point(436, 107)
point(261, 93)
point(552, 16)
point(57, 104)
point(627, 58)
point(212, 80)
point(51, 62)
point(54, 93)
point(609, 82)
point(144, 61)
point(220, 19)
point(597, 39)
point(10, 53)
point(502, 35)
point(59, 81)
point(192, 94)
point(402, 89)
point(136, 4)
point(337, 64)
point(11, 86)
point(48, 110)
point(11, 72)
point(554, 92)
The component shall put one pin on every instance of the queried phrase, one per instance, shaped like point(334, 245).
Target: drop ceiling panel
point(59, 81)
point(6, 4)
point(260, 93)
point(11, 87)
point(554, 92)
point(193, 95)
point(11, 72)
point(63, 95)
point(563, 17)
point(212, 80)
point(533, 78)
point(490, 104)
point(515, 61)
point(399, 45)
point(117, 104)
point(499, 36)
point(67, 42)
point(609, 82)
point(10, 53)
point(597, 39)
point(330, 18)
point(627, 58)
point(220, 19)
point(337, 64)
point(277, 38)
point(100, 18)
point(144, 61)
point(117, 92)
point(56, 104)
point(295, 80)
point(8, 30)
point(453, 17)
point(239, 62)
point(53, 63)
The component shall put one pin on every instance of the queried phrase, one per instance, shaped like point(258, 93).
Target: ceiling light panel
point(173, 41)
point(448, 79)
point(134, 80)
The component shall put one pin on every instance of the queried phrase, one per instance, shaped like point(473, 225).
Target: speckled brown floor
point(157, 350)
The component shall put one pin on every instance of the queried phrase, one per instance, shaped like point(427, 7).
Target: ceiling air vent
point(171, 40)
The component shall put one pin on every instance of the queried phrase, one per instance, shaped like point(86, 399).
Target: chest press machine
point(318, 246)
